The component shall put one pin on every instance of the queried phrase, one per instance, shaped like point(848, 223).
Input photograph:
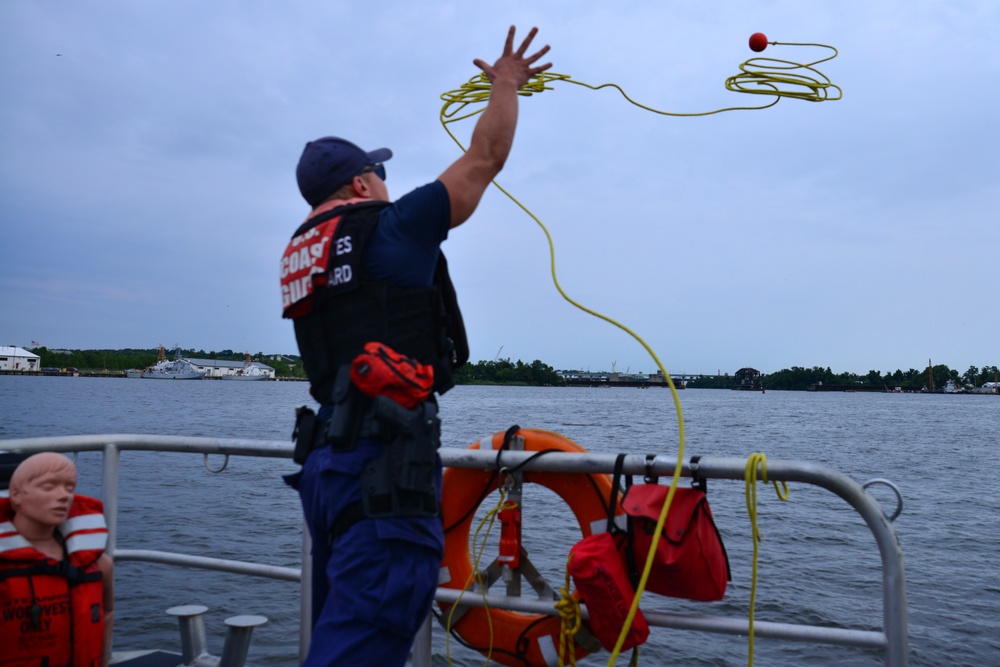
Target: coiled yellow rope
point(755, 78)
point(754, 461)
point(784, 78)
point(758, 76)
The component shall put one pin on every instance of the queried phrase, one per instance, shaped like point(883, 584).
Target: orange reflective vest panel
point(51, 612)
point(306, 262)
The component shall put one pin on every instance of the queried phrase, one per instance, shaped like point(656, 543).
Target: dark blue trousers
point(372, 587)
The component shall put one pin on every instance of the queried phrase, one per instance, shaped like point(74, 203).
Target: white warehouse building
point(13, 358)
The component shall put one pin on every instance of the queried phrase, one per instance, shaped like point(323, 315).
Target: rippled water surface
point(818, 562)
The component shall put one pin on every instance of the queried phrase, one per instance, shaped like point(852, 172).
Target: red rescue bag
point(690, 561)
point(381, 371)
point(599, 574)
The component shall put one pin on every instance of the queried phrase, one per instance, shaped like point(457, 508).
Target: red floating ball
point(758, 41)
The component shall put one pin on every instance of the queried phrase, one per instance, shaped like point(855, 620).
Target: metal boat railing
point(893, 639)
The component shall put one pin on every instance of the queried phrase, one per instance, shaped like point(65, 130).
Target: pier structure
point(576, 378)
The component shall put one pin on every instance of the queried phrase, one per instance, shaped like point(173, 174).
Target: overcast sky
point(148, 149)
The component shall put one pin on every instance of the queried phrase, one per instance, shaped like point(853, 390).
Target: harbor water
point(818, 562)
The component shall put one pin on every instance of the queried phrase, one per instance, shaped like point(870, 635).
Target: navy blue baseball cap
point(330, 163)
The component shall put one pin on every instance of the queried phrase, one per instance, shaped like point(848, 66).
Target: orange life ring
point(518, 639)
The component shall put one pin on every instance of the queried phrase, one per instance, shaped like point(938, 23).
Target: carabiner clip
point(507, 480)
point(650, 477)
point(697, 481)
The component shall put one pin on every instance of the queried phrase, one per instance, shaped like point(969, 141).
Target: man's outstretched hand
point(513, 66)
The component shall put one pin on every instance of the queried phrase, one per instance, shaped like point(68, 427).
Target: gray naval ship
point(173, 369)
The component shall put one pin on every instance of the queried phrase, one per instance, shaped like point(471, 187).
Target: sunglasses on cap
point(378, 169)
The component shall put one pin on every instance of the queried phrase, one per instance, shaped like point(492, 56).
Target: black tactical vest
point(344, 307)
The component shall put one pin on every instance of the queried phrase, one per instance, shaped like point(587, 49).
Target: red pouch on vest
point(381, 371)
point(690, 559)
point(599, 574)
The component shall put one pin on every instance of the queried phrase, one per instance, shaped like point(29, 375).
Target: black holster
point(304, 433)
point(342, 430)
point(402, 480)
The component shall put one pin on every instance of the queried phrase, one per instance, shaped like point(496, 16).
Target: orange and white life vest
point(52, 612)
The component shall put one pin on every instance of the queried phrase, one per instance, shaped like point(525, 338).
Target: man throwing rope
point(364, 270)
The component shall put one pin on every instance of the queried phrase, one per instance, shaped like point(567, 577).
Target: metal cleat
point(234, 651)
point(192, 623)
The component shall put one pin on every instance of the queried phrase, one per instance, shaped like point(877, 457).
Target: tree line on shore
point(504, 371)
point(798, 378)
point(803, 378)
point(536, 373)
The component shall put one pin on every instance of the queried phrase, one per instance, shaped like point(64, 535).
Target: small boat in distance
point(249, 372)
point(952, 387)
point(747, 379)
point(175, 369)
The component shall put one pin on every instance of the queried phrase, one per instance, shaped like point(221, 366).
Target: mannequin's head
point(41, 489)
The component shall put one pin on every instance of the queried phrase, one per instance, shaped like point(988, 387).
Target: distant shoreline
point(610, 385)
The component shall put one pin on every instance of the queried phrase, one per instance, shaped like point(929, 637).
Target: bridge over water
point(599, 379)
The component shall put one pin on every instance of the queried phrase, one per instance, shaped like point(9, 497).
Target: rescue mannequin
point(56, 582)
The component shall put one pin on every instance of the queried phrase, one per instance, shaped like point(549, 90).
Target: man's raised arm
point(468, 177)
